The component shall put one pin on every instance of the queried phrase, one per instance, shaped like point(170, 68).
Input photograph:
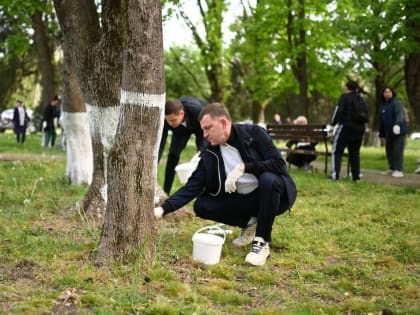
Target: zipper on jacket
point(218, 173)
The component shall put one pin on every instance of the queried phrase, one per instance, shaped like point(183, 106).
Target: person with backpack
point(351, 117)
point(393, 127)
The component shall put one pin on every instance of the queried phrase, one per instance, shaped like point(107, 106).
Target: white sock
point(252, 221)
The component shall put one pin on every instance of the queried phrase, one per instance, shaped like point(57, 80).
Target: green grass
point(344, 249)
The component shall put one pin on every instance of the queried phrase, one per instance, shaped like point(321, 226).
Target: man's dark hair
point(215, 110)
point(173, 106)
point(352, 86)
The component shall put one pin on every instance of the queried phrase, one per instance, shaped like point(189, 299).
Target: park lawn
point(344, 248)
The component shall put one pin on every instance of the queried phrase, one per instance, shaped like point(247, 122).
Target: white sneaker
point(417, 171)
point(387, 173)
point(259, 253)
point(246, 236)
point(397, 174)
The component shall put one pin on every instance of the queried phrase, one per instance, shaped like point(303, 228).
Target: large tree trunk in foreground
point(95, 46)
point(412, 83)
point(129, 223)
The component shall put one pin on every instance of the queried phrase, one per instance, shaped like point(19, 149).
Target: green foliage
point(184, 73)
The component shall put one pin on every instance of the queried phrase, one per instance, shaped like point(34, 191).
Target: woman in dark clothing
point(393, 127)
point(48, 126)
point(20, 121)
point(350, 130)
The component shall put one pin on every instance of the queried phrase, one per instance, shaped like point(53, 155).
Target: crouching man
point(241, 180)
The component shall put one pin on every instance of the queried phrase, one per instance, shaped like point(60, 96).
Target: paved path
point(375, 176)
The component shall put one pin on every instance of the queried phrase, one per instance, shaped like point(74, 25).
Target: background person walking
point(51, 112)
point(20, 121)
point(351, 117)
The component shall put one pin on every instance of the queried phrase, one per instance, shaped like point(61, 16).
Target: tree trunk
point(95, 47)
point(297, 46)
point(95, 198)
point(129, 222)
point(75, 127)
point(412, 83)
point(44, 57)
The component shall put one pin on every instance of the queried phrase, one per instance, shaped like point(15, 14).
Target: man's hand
point(233, 176)
point(396, 130)
point(158, 212)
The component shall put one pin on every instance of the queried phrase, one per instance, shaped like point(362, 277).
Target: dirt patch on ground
point(29, 157)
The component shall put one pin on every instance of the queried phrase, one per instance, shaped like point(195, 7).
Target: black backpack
point(360, 110)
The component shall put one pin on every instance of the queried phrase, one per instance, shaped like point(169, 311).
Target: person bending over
point(181, 117)
point(241, 180)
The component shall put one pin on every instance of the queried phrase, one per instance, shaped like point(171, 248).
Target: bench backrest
point(308, 133)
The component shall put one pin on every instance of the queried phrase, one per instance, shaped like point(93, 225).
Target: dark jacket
point(16, 121)
point(259, 155)
point(192, 108)
point(344, 115)
point(50, 113)
point(392, 113)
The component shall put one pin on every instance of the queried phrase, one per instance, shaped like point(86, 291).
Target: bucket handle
point(216, 229)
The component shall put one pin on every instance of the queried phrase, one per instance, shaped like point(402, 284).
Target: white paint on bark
point(103, 123)
point(148, 100)
point(78, 147)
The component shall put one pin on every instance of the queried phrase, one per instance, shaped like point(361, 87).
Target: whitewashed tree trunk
point(79, 167)
point(129, 228)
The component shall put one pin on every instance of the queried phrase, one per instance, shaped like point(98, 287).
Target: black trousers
point(20, 137)
point(394, 148)
point(179, 141)
point(236, 209)
point(352, 142)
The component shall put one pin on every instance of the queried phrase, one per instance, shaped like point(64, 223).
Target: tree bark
point(75, 126)
point(412, 83)
point(95, 46)
point(129, 222)
point(296, 37)
point(44, 57)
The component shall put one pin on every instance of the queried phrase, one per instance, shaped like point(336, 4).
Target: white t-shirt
point(21, 112)
point(247, 183)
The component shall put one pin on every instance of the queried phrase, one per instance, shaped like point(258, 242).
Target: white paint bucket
point(207, 247)
point(185, 170)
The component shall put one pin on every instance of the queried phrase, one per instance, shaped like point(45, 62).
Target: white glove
point(196, 158)
point(396, 130)
point(158, 211)
point(233, 176)
point(44, 124)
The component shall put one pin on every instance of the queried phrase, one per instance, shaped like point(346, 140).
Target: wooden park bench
point(303, 133)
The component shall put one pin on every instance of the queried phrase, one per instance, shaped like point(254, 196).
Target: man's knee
point(203, 208)
point(271, 183)
point(267, 180)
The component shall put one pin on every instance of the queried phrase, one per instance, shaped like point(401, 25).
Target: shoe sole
point(258, 264)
